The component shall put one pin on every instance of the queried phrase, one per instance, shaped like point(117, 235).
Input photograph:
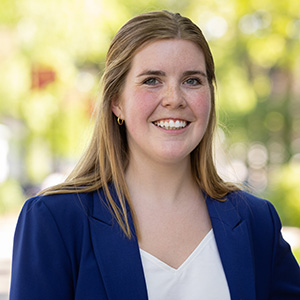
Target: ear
point(116, 107)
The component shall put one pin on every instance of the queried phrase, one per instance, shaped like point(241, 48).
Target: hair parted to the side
point(106, 157)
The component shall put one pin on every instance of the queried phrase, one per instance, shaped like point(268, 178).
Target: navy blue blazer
point(68, 246)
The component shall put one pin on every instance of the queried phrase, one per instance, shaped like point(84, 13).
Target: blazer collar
point(118, 257)
point(233, 242)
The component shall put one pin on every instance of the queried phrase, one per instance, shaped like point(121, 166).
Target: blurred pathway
point(7, 228)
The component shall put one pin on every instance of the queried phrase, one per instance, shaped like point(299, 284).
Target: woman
point(144, 215)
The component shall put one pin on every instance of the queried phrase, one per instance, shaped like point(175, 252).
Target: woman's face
point(165, 101)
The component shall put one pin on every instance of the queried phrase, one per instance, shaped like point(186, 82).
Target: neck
point(157, 183)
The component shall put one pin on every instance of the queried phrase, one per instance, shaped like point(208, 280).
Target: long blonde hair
point(106, 158)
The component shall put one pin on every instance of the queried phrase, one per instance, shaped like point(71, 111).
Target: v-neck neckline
point(194, 253)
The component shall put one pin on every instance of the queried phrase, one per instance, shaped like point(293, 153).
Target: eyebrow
point(161, 73)
point(195, 72)
point(152, 72)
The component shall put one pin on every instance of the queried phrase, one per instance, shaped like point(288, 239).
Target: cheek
point(203, 105)
point(141, 104)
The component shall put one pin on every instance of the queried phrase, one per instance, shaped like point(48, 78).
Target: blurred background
point(52, 55)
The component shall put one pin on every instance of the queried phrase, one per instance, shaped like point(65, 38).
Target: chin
point(172, 158)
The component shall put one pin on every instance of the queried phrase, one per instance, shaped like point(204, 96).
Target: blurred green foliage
point(284, 191)
point(52, 55)
point(11, 196)
point(296, 253)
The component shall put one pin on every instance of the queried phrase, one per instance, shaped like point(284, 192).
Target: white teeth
point(171, 124)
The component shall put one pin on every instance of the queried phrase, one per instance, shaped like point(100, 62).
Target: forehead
point(166, 53)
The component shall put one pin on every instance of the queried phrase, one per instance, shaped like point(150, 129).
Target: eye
point(151, 81)
point(194, 81)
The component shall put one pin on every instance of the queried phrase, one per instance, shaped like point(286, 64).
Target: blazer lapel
point(233, 241)
point(118, 257)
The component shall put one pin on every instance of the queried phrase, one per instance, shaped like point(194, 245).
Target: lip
point(172, 132)
point(171, 118)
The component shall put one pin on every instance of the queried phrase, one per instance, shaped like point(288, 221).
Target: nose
point(173, 97)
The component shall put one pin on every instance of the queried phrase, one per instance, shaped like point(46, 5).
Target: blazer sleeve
point(41, 266)
point(285, 269)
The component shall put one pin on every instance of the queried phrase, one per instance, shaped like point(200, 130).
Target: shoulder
point(242, 203)
point(73, 208)
point(240, 206)
point(245, 202)
point(61, 205)
point(66, 214)
point(259, 212)
point(64, 218)
point(250, 216)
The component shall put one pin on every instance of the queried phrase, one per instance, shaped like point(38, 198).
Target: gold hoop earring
point(120, 121)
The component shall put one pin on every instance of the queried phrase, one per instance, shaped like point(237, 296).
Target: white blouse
point(201, 276)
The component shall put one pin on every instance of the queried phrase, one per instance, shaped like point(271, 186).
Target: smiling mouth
point(171, 124)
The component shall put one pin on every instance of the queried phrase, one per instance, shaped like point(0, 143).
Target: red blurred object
point(41, 77)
